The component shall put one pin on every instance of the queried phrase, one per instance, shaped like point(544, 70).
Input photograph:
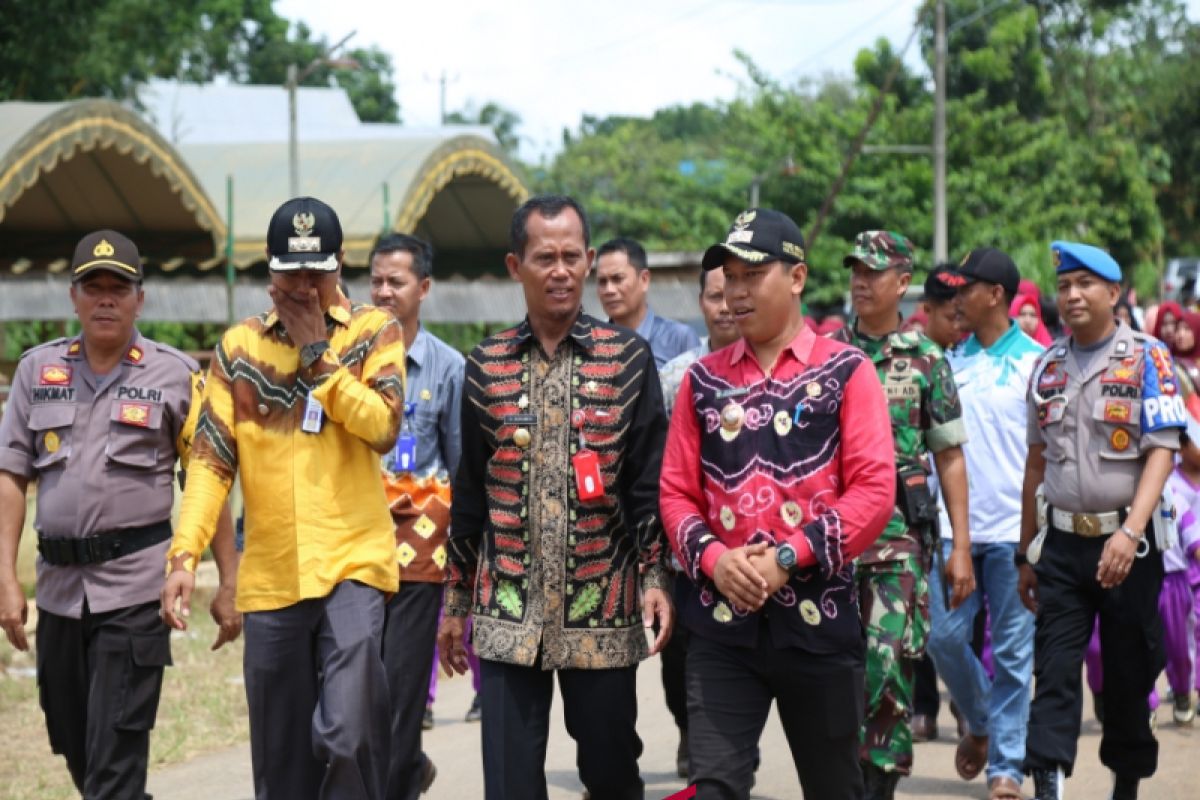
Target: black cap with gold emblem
point(304, 234)
point(759, 235)
point(108, 251)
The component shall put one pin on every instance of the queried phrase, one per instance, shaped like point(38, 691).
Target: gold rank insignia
point(51, 442)
point(135, 414)
point(103, 249)
point(55, 375)
point(75, 349)
point(135, 355)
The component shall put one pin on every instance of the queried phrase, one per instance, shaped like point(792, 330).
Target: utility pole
point(294, 76)
point(443, 79)
point(941, 247)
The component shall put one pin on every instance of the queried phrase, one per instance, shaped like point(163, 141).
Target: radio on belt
point(586, 464)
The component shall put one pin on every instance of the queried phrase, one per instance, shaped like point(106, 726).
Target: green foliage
point(1072, 120)
point(503, 122)
point(67, 49)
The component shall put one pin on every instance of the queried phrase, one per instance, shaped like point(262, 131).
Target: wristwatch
point(311, 353)
point(785, 557)
point(1020, 559)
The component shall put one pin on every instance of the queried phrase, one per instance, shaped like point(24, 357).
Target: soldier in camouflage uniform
point(892, 573)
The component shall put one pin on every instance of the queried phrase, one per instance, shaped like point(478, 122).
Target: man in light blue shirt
point(992, 369)
point(622, 282)
point(417, 475)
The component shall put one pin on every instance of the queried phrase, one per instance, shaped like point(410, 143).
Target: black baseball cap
point(758, 235)
point(304, 234)
point(108, 251)
point(990, 265)
point(943, 283)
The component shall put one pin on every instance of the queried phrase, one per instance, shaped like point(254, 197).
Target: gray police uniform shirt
point(102, 450)
point(1098, 423)
point(432, 413)
point(667, 338)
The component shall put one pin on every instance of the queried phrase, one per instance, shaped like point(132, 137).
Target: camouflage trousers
point(894, 596)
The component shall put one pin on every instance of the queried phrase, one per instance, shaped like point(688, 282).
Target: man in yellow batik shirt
point(302, 401)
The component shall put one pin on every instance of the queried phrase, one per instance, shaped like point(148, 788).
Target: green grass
point(203, 708)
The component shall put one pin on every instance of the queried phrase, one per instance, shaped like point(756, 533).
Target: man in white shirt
point(992, 369)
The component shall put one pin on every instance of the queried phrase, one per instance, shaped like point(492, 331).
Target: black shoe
point(1124, 788)
point(428, 773)
point(683, 758)
point(1047, 784)
point(427, 720)
point(880, 784)
point(475, 712)
point(924, 728)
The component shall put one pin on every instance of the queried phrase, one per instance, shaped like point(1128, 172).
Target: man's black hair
point(548, 206)
point(420, 250)
point(632, 250)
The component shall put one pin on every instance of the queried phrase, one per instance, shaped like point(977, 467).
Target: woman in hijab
point(1027, 312)
point(1169, 314)
point(1184, 345)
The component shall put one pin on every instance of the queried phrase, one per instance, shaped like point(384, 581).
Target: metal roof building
point(68, 168)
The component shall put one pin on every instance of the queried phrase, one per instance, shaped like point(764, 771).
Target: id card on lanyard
point(404, 455)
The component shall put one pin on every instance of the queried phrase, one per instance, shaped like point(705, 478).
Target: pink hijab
point(1041, 335)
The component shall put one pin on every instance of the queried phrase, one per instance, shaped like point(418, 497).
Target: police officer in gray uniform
point(1105, 416)
point(98, 422)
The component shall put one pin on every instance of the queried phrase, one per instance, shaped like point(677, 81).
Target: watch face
point(786, 556)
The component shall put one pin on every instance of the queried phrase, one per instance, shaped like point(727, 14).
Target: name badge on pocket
point(314, 415)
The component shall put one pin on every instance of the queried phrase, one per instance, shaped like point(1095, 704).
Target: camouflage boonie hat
point(881, 250)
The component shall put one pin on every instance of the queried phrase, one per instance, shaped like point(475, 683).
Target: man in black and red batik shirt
point(779, 470)
point(555, 538)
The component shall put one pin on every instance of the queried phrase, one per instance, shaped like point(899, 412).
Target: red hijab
point(1192, 320)
point(1166, 307)
point(1041, 335)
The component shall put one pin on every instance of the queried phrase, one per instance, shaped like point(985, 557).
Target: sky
point(553, 62)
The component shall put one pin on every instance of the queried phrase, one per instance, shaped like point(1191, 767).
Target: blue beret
point(1070, 256)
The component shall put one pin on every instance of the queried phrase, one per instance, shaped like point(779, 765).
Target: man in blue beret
point(1105, 416)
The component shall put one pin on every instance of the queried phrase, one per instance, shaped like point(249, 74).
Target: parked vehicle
point(1179, 281)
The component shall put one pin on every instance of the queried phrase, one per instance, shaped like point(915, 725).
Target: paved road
point(454, 747)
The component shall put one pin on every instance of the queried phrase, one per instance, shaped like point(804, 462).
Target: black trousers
point(674, 660)
point(99, 680)
point(320, 718)
point(820, 699)
point(409, 634)
point(1069, 597)
point(926, 699)
point(600, 710)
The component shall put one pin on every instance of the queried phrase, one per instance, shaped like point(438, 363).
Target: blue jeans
point(997, 708)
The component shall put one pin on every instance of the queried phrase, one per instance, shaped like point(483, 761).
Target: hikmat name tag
point(520, 419)
point(738, 391)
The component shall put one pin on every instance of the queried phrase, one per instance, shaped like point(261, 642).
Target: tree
point(370, 84)
point(503, 122)
point(65, 49)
